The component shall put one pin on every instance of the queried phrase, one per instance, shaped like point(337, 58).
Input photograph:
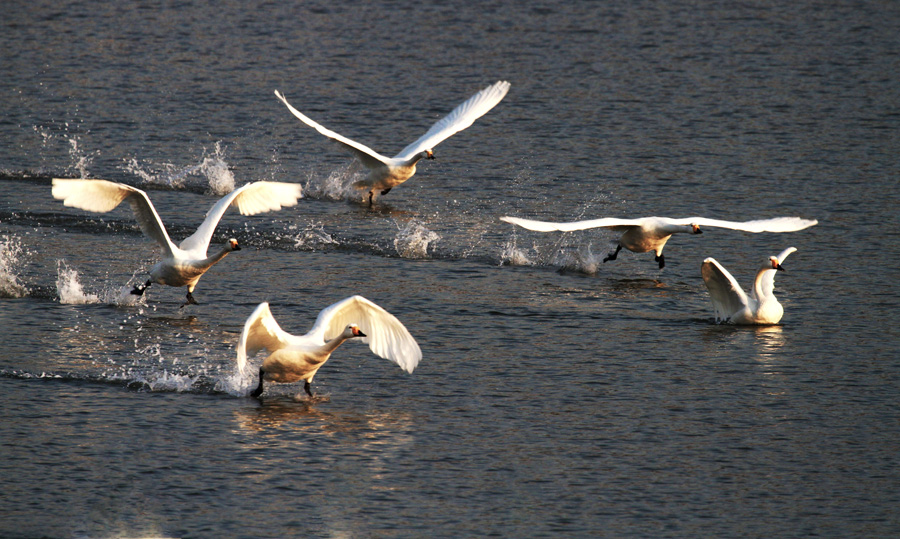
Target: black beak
point(698, 231)
point(779, 268)
point(360, 334)
point(237, 248)
point(430, 156)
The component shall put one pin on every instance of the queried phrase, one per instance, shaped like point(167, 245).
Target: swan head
point(232, 245)
point(695, 229)
point(428, 154)
point(354, 331)
point(773, 260)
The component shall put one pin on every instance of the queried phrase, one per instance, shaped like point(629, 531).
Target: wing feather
point(724, 291)
point(261, 331)
point(101, 196)
point(250, 199)
point(369, 157)
point(544, 226)
point(459, 118)
point(776, 224)
point(387, 337)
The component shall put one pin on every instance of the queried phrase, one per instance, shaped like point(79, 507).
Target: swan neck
point(757, 283)
point(210, 260)
point(333, 344)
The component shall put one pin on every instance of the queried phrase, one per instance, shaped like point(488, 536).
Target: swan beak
point(779, 268)
point(429, 154)
point(358, 333)
point(697, 229)
point(235, 246)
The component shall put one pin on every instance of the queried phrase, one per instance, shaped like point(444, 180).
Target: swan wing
point(768, 278)
point(369, 157)
point(544, 226)
point(250, 199)
point(776, 224)
point(101, 196)
point(387, 337)
point(459, 118)
point(724, 291)
point(260, 331)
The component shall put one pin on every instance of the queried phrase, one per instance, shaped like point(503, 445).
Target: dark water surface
point(557, 395)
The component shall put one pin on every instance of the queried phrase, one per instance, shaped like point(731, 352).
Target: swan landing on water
point(184, 264)
point(385, 173)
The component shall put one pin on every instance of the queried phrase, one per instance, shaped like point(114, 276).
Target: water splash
point(582, 260)
point(511, 255)
point(11, 257)
point(80, 159)
point(215, 168)
point(312, 237)
point(413, 239)
point(71, 292)
point(336, 186)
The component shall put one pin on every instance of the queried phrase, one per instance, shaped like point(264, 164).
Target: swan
point(385, 173)
point(293, 358)
point(184, 264)
point(652, 233)
point(732, 305)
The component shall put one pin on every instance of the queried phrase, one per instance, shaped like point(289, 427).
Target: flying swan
point(293, 358)
point(652, 233)
point(729, 301)
point(184, 264)
point(385, 173)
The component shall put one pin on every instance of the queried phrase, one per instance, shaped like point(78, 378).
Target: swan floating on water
point(731, 303)
point(652, 233)
point(293, 358)
point(385, 173)
point(184, 264)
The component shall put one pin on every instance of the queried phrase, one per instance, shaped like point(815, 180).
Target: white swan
point(730, 302)
point(652, 233)
point(385, 173)
point(293, 358)
point(184, 264)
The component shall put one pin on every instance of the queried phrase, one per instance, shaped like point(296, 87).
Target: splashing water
point(413, 240)
point(11, 254)
point(70, 290)
point(312, 237)
point(582, 260)
point(80, 159)
point(511, 255)
point(221, 180)
point(336, 186)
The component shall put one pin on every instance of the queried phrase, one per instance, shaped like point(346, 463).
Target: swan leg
point(613, 255)
point(371, 198)
point(662, 261)
point(190, 301)
point(306, 387)
point(259, 389)
point(138, 289)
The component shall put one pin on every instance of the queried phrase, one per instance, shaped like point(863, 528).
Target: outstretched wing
point(459, 118)
point(387, 337)
point(260, 331)
point(544, 226)
point(776, 224)
point(250, 199)
point(369, 157)
point(767, 282)
point(101, 196)
point(724, 291)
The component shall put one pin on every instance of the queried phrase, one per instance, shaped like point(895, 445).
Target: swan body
point(293, 358)
point(651, 233)
point(732, 305)
point(385, 173)
point(183, 264)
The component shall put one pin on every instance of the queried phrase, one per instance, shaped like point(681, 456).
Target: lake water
point(558, 395)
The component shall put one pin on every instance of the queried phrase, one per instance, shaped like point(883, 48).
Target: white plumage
point(732, 305)
point(652, 233)
point(299, 357)
point(184, 264)
point(386, 173)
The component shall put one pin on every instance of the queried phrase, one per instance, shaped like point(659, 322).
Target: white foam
point(413, 239)
point(11, 257)
point(71, 292)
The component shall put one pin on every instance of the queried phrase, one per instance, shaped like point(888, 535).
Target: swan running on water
point(385, 173)
point(652, 233)
point(731, 303)
point(299, 357)
point(184, 264)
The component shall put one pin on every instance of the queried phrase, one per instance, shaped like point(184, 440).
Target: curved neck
point(757, 283)
point(333, 344)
